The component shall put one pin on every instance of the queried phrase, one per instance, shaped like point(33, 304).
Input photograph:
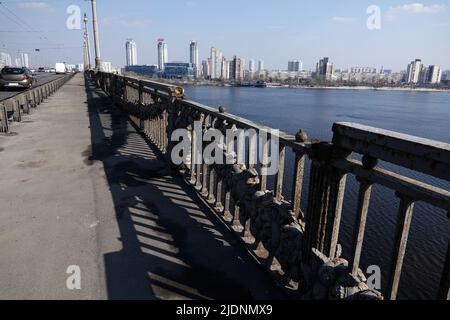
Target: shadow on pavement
point(172, 247)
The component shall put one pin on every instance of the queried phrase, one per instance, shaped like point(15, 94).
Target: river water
point(423, 114)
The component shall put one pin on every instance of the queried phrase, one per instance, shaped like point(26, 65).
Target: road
point(41, 79)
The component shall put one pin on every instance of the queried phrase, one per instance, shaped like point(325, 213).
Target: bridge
point(87, 180)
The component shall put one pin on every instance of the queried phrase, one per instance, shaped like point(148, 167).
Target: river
point(423, 114)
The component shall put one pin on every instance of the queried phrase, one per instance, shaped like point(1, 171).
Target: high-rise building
point(209, 60)
point(413, 71)
point(260, 65)
point(251, 65)
point(295, 66)
point(216, 63)
point(325, 69)
point(25, 62)
point(5, 59)
point(131, 52)
point(225, 69)
point(194, 58)
point(237, 69)
point(433, 75)
point(446, 75)
point(206, 69)
point(162, 54)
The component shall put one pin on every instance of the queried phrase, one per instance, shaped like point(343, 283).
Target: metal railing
point(23, 102)
point(278, 231)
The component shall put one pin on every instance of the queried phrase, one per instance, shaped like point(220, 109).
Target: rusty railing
point(300, 244)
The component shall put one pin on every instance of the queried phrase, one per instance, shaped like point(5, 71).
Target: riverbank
point(365, 88)
point(277, 86)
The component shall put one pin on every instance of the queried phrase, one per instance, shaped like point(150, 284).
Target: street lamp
point(87, 52)
point(96, 37)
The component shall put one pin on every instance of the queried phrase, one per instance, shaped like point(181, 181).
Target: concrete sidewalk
point(79, 186)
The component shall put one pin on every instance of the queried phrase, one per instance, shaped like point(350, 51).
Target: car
point(14, 77)
point(41, 69)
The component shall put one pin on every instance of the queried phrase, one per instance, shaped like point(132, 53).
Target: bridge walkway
point(80, 186)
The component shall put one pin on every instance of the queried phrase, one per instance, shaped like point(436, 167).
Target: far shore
point(365, 88)
point(277, 86)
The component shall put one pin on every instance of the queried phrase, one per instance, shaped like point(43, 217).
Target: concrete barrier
point(24, 101)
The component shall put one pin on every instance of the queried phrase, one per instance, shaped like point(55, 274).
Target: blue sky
point(273, 30)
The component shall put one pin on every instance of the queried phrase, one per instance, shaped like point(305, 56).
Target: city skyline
point(306, 31)
point(218, 65)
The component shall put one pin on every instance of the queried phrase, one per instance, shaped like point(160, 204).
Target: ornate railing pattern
point(23, 102)
point(302, 245)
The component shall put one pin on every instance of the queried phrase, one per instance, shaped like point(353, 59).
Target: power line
point(18, 31)
point(18, 18)
point(13, 20)
point(24, 23)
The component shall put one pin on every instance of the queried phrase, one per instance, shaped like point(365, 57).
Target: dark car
point(11, 77)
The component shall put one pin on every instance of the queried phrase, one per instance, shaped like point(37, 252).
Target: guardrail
point(23, 102)
point(303, 245)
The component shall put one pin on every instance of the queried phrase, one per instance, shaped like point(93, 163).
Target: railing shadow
point(171, 247)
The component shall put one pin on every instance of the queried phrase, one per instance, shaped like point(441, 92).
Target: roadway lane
point(41, 79)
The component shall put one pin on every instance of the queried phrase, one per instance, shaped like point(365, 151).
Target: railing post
point(204, 187)
point(25, 104)
point(17, 116)
point(365, 190)
point(141, 102)
point(280, 175)
point(34, 99)
point(406, 209)
point(199, 154)
point(174, 95)
point(444, 287)
point(125, 90)
point(114, 89)
point(4, 125)
point(299, 169)
point(326, 193)
point(39, 97)
point(264, 162)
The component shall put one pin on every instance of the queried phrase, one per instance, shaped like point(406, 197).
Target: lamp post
point(87, 52)
point(96, 37)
